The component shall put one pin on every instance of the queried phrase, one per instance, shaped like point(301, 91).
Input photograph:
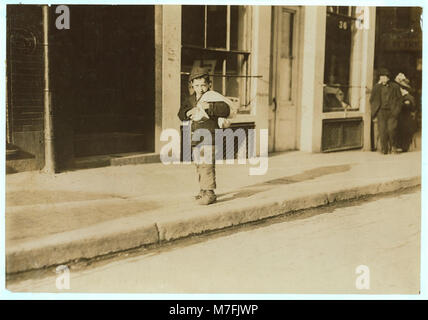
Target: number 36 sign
point(361, 20)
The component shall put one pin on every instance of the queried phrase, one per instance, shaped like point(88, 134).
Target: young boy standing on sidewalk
point(200, 82)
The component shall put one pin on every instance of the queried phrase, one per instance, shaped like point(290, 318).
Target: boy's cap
point(384, 72)
point(402, 80)
point(198, 72)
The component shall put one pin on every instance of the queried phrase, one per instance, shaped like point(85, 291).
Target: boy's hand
point(191, 112)
point(205, 105)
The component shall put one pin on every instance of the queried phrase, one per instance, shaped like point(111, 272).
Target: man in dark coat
point(200, 82)
point(385, 107)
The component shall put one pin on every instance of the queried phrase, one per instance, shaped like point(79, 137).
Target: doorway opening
point(103, 81)
point(283, 124)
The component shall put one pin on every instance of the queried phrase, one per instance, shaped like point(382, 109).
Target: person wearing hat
point(407, 123)
point(207, 118)
point(384, 106)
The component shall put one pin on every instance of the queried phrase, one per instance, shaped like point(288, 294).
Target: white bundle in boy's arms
point(214, 96)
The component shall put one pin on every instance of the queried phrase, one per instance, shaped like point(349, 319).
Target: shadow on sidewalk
point(311, 174)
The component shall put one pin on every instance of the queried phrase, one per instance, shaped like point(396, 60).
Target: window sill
point(218, 50)
point(243, 118)
point(342, 114)
point(341, 110)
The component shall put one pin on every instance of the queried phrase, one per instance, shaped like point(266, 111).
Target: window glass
point(334, 9)
point(217, 84)
point(235, 27)
point(193, 25)
point(233, 71)
point(337, 51)
point(208, 47)
point(339, 34)
point(216, 26)
point(286, 62)
point(403, 17)
point(344, 10)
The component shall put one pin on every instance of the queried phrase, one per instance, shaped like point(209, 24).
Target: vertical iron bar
point(48, 116)
point(205, 25)
point(227, 48)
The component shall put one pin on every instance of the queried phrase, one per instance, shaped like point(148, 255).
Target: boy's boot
point(395, 150)
point(199, 195)
point(208, 197)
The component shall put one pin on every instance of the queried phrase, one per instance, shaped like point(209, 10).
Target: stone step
point(20, 165)
point(115, 160)
point(109, 143)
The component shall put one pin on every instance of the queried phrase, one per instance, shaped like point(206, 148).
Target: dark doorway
point(398, 45)
point(103, 80)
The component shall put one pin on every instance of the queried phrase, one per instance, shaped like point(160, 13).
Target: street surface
point(317, 252)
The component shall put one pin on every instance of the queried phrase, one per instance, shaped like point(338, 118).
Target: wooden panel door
point(283, 120)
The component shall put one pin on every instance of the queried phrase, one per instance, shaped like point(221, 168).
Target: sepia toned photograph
point(209, 149)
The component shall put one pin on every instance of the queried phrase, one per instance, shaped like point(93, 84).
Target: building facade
point(118, 76)
point(304, 73)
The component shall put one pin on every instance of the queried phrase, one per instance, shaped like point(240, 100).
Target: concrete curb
point(108, 237)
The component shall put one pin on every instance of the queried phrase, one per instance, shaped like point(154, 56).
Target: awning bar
point(226, 75)
point(344, 16)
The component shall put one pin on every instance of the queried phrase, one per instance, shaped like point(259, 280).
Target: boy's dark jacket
point(215, 111)
point(394, 95)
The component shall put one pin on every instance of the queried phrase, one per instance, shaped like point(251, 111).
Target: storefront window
point(216, 37)
point(339, 86)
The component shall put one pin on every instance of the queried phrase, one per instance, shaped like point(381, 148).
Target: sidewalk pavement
point(57, 219)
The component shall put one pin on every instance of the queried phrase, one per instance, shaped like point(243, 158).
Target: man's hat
point(384, 72)
point(403, 81)
point(198, 72)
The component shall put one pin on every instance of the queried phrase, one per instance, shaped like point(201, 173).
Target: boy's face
point(200, 86)
point(383, 79)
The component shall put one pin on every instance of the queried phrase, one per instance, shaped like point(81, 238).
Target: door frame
point(296, 68)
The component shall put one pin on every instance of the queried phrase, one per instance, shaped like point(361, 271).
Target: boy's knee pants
point(205, 168)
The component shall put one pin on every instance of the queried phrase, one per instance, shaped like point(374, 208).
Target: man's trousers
point(387, 127)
